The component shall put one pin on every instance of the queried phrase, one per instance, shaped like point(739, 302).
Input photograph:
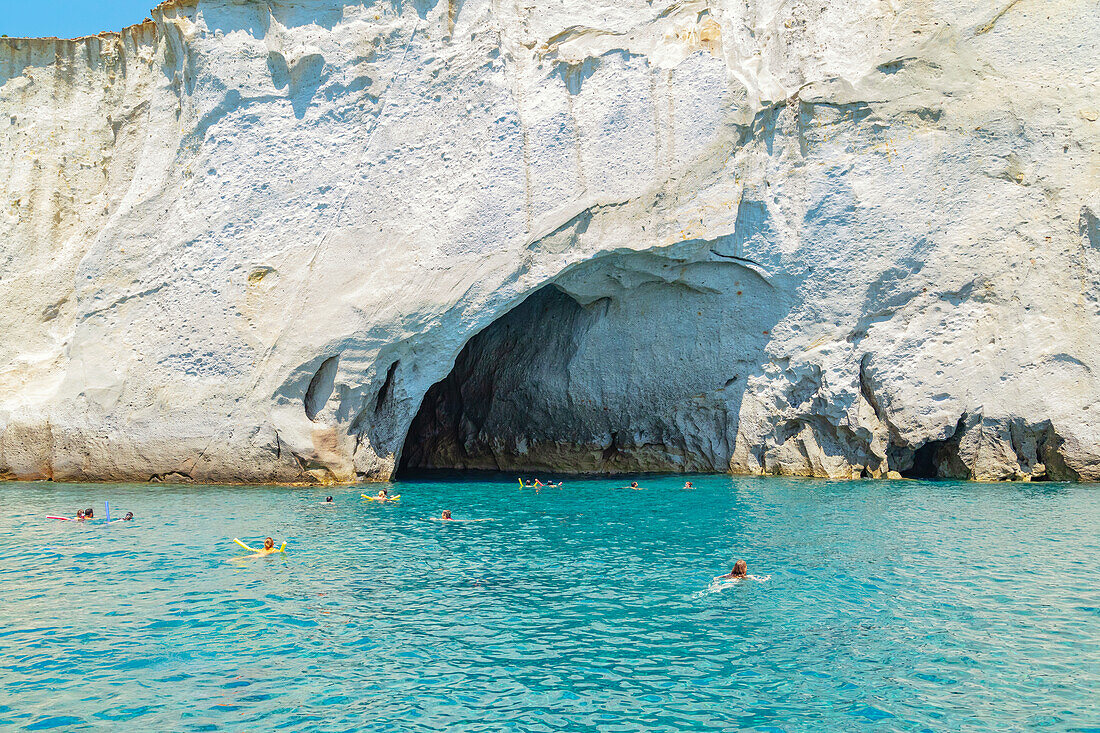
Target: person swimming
point(269, 547)
point(129, 517)
point(328, 500)
point(634, 485)
point(688, 485)
point(382, 495)
point(446, 517)
point(80, 515)
point(88, 513)
point(740, 572)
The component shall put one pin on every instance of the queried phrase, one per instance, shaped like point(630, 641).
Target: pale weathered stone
point(859, 238)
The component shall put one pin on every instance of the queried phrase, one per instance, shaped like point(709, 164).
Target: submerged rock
point(310, 241)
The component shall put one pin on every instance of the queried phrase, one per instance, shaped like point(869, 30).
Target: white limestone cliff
point(242, 242)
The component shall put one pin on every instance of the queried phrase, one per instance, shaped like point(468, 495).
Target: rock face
point(315, 241)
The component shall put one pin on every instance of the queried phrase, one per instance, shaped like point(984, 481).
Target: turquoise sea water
point(902, 606)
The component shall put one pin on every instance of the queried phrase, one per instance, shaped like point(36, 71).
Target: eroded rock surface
point(243, 241)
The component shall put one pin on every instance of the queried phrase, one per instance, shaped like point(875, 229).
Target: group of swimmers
point(739, 572)
point(83, 515)
point(536, 484)
point(634, 485)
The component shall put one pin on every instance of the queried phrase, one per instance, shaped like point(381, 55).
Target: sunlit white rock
point(242, 241)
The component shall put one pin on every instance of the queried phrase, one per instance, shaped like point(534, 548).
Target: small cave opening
point(925, 461)
point(936, 459)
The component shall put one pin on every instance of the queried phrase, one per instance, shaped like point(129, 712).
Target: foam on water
point(890, 606)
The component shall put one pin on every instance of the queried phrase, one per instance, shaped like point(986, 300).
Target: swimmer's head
point(633, 484)
point(446, 514)
point(383, 492)
point(88, 513)
point(129, 516)
point(740, 569)
point(688, 485)
point(79, 513)
point(269, 544)
point(328, 499)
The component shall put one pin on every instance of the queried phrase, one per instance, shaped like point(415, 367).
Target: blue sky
point(70, 18)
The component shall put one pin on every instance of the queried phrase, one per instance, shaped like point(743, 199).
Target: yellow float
point(281, 549)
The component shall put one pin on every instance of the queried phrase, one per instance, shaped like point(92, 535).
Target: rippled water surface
point(891, 606)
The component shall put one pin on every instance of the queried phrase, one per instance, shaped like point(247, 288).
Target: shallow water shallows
point(891, 606)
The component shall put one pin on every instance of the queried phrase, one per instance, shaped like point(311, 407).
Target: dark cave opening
point(629, 365)
point(496, 396)
point(936, 459)
point(925, 461)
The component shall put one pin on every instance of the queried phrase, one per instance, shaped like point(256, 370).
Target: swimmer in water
point(634, 485)
point(446, 517)
point(129, 517)
point(740, 572)
point(382, 495)
point(269, 547)
point(688, 485)
point(80, 515)
point(328, 500)
point(88, 513)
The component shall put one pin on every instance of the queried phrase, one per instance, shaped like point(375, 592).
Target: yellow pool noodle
point(281, 549)
point(375, 498)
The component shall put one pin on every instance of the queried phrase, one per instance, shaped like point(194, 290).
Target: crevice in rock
point(320, 387)
point(316, 470)
point(171, 477)
point(1038, 449)
point(867, 391)
point(387, 388)
point(612, 450)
